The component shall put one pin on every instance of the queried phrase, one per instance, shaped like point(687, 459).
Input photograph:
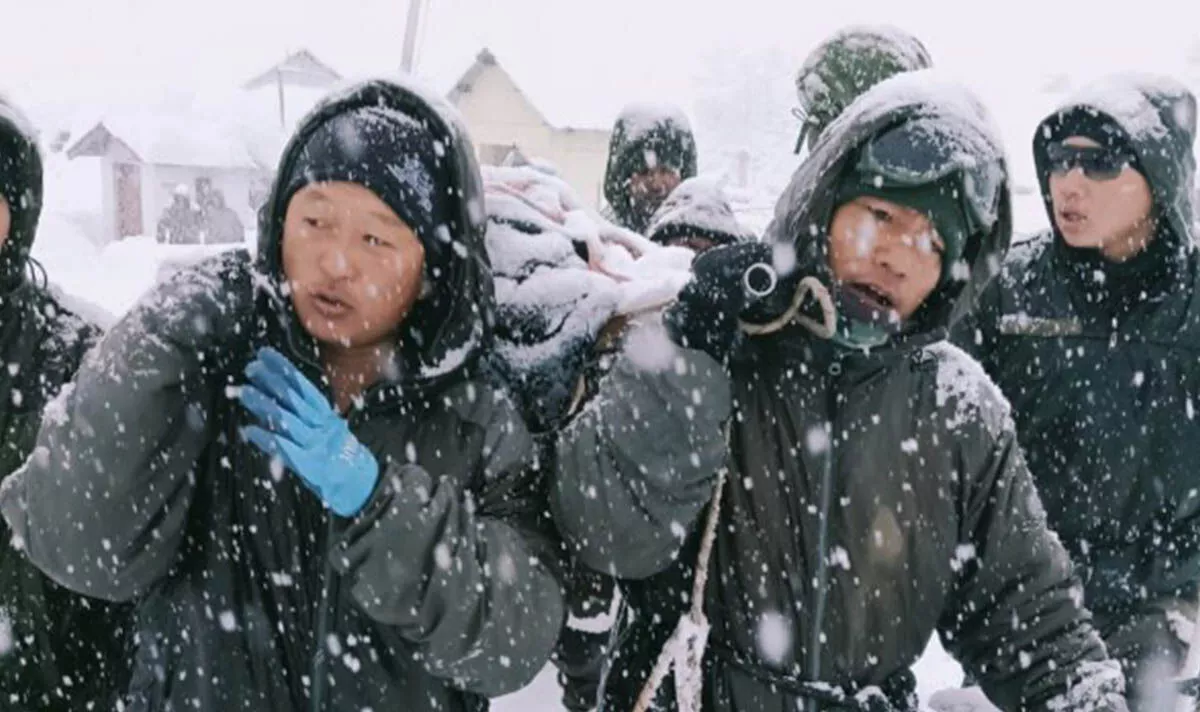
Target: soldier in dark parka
point(58, 650)
point(875, 491)
point(290, 462)
point(1092, 331)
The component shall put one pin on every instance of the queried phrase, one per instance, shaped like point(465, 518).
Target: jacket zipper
point(326, 608)
point(328, 603)
point(828, 465)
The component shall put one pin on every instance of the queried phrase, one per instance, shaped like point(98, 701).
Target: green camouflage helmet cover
point(845, 66)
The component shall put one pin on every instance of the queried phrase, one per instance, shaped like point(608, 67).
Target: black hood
point(642, 135)
point(799, 230)
point(449, 326)
point(1157, 116)
point(698, 208)
point(21, 185)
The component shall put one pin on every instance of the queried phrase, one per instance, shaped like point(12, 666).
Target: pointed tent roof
point(166, 139)
point(299, 69)
point(565, 115)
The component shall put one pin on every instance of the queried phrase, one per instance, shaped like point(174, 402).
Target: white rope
point(808, 287)
point(1191, 666)
point(691, 634)
point(695, 616)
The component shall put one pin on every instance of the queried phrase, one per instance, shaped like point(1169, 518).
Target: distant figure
point(180, 222)
point(651, 152)
point(221, 223)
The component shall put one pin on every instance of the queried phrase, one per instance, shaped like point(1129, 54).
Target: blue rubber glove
point(303, 430)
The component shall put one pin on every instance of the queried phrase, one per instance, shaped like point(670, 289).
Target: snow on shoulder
point(640, 118)
point(965, 393)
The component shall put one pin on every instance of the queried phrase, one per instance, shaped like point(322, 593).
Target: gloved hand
point(706, 315)
point(302, 429)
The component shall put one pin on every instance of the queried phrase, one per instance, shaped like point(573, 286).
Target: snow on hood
point(895, 40)
point(1158, 116)
point(939, 93)
point(882, 39)
point(799, 228)
point(701, 204)
point(447, 329)
point(641, 118)
point(1126, 98)
point(10, 114)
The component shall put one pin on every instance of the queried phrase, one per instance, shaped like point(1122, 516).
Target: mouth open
point(874, 296)
point(872, 304)
point(1071, 218)
point(329, 305)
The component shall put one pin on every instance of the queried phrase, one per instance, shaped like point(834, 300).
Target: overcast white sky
point(137, 48)
point(589, 55)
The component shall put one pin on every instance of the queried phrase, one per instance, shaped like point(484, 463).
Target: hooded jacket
point(697, 208)
point(250, 594)
point(1101, 362)
point(909, 457)
point(645, 137)
point(48, 635)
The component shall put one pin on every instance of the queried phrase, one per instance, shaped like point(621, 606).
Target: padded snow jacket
point(251, 595)
point(58, 650)
point(907, 454)
point(1101, 362)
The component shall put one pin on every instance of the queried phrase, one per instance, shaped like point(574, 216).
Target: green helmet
point(845, 66)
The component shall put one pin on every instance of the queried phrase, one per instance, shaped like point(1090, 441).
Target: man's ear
point(5, 221)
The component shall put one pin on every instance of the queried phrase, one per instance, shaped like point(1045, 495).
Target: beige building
point(144, 157)
point(503, 119)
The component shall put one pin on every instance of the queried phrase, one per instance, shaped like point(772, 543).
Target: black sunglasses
point(1097, 163)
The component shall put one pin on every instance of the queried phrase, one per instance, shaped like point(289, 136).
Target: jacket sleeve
point(464, 565)
point(638, 464)
point(100, 504)
point(63, 339)
point(1017, 622)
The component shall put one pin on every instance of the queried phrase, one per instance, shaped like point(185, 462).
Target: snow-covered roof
point(167, 139)
point(298, 69)
point(552, 97)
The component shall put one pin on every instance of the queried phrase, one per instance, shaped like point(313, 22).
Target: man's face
point(5, 221)
point(889, 256)
point(1102, 210)
point(355, 269)
point(648, 190)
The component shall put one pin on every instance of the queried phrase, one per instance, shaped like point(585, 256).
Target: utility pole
point(282, 109)
point(410, 35)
